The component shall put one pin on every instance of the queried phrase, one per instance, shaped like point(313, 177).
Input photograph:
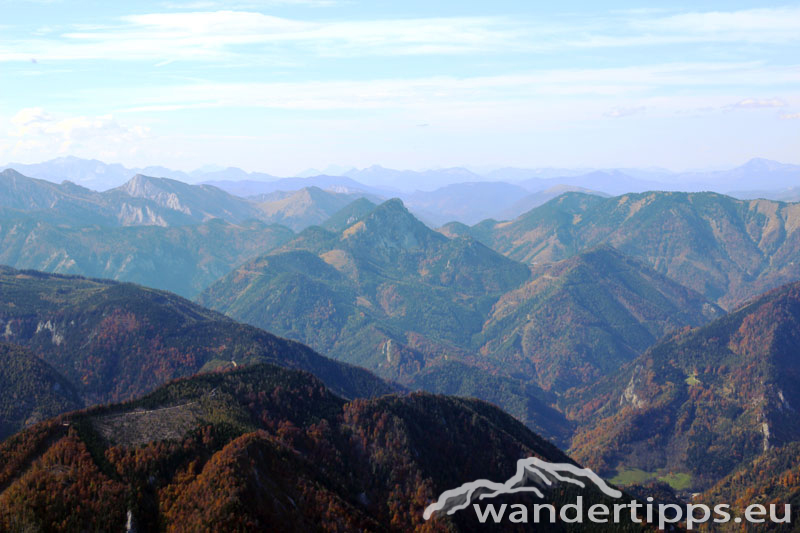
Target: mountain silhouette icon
point(531, 474)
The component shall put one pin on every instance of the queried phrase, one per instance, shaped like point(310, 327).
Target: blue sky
point(283, 85)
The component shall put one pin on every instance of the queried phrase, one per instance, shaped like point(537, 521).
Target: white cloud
point(755, 103)
point(790, 116)
point(34, 130)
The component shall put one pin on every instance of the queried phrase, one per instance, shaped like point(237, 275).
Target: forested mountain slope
point(113, 341)
point(703, 401)
point(264, 448)
point(726, 249)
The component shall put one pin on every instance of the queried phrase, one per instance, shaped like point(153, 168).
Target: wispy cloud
point(248, 4)
point(621, 112)
point(209, 34)
point(765, 25)
point(218, 35)
point(566, 85)
point(755, 103)
point(790, 116)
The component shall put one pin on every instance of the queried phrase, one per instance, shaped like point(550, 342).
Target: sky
point(280, 86)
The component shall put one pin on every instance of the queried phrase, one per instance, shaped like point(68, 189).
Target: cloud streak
point(444, 92)
point(755, 103)
point(218, 35)
point(622, 112)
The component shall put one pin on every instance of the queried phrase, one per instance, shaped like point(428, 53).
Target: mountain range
point(771, 176)
point(452, 316)
point(726, 249)
point(158, 232)
point(597, 322)
point(100, 176)
point(101, 340)
point(358, 293)
point(196, 451)
point(148, 201)
point(450, 194)
point(247, 188)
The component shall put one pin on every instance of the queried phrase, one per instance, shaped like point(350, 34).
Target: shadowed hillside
point(113, 341)
point(267, 449)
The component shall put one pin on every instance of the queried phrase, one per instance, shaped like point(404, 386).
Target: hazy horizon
point(341, 170)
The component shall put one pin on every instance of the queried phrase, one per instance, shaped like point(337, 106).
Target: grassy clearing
point(692, 380)
point(678, 480)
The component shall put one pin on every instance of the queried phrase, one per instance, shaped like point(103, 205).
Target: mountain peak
point(393, 205)
point(764, 165)
point(11, 174)
point(139, 185)
point(602, 250)
point(392, 215)
point(390, 229)
point(141, 178)
point(349, 214)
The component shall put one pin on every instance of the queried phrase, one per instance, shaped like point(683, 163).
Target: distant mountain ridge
point(726, 249)
point(468, 202)
point(202, 202)
point(339, 184)
point(149, 201)
point(788, 194)
point(439, 196)
point(100, 176)
point(763, 173)
point(309, 206)
point(143, 201)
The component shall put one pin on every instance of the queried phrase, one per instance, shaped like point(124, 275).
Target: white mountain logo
point(531, 469)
